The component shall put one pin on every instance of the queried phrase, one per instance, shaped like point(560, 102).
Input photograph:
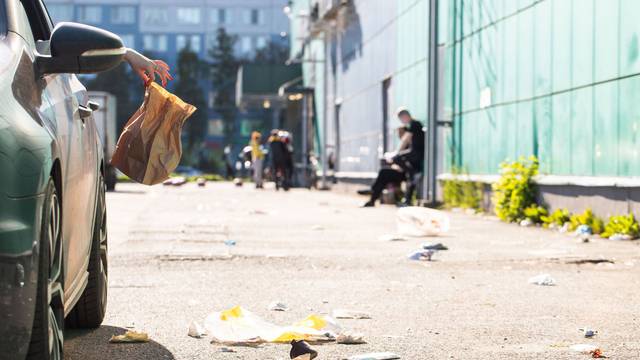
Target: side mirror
point(80, 49)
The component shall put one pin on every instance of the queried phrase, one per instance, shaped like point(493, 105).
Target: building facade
point(557, 79)
point(164, 27)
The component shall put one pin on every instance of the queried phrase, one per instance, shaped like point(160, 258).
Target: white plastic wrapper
point(420, 221)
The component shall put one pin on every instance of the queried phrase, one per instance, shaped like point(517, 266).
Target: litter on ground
point(350, 338)
point(374, 356)
point(130, 337)
point(277, 306)
point(420, 221)
point(588, 333)
point(543, 280)
point(392, 237)
point(300, 350)
point(196, 330)
point(350, 314)
point(434, 246)
point(239, 327)
point(421, 255)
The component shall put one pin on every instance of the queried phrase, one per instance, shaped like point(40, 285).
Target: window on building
point(90, 14)
point(194, 43)
point(189, 15)
point(155, 15)
point(147, 43)
point(123, 15)
point(219, 16)
point(128, 40)
point(181, 42)
point(245, 44)
point(162, 44)
point(256, 16)
point(261, 42)
point(60, 12)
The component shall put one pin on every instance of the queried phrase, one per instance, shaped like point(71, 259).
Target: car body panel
point(41, 133)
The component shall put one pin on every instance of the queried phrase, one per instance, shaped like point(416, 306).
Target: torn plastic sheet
point(239, 326)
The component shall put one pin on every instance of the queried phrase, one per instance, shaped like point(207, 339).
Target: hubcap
point(55, 292)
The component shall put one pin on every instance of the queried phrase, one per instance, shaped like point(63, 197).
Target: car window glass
point(38, 20)
point(3, 20)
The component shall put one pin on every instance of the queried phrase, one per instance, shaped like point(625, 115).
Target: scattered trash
point(620, 237)
point(590, 261)
point(226, 349)
point(526, 223)
point(420, 221)
point(350, 338)
point(278, 306)
point(583, 231)
point(300, 350)
point(257, 212)
point(434, 246)
point(201, 181)
point(392, 237)
point(349, 314)
point(175, 181)
point(317, 227)
point(196, 330)
point(240, 327)
point(588, 349)
point(588, 333)
point(130, 337)
point(374, 356)
point(565, 228)
point(230, 242)
point(237, 182)
point(542, 279)
point(421, 255)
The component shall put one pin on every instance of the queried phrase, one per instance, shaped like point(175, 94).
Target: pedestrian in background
point(257, 158)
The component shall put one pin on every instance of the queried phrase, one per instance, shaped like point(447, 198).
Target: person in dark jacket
point(408, 161)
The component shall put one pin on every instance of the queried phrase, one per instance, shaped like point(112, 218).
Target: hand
point(146, 68)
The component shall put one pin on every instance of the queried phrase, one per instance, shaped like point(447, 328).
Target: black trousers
point(385, 177)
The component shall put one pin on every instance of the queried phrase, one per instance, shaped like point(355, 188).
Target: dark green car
point(53, 238)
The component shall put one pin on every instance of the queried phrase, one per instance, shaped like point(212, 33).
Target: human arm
point(146, 68)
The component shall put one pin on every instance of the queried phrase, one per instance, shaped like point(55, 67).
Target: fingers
point(143, 75)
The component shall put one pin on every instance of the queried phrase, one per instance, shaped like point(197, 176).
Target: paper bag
point(150, 148)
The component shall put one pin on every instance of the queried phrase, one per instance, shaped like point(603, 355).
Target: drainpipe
point(305, 135)
point(325, 117)
point(431, 156)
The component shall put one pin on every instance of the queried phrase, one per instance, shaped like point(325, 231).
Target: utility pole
point(430, 166)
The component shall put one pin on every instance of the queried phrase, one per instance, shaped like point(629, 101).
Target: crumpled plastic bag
point(238, 326)
point(149, 148)
point(420, 221)
point(130, 337)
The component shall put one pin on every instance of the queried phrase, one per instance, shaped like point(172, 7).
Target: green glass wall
point(562, 78)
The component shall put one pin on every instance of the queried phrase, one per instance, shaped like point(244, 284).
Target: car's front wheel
point(90, 309)
point(48, 323)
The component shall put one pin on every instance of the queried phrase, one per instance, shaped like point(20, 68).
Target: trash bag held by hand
point(149, 148)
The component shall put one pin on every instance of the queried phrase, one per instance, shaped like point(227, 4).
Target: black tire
point(111, 178)
point(48, 320)
point(90, 309)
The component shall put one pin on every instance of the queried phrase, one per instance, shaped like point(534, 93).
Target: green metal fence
point(553, 78)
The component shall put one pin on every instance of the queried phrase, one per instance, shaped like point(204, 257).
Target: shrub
point(464, 194)
point(586, 218)
point(557, 218)
point(535, 213)
point(623, 225)
point(515, 191)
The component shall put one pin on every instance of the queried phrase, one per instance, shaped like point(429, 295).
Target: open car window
point(38, 19)
point(3, 20)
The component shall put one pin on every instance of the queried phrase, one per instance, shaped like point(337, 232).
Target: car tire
point(48, 322)
point(111, 178)
point(90, 309)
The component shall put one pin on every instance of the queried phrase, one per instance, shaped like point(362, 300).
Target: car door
point(65, 100)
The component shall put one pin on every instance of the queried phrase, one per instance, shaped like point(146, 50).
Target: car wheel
point(48, 322)
point(90, 309)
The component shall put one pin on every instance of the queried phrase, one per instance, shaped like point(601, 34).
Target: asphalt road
point(317, 251)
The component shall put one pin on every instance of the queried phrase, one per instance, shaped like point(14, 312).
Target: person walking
point(257, 158)
point(408, 161)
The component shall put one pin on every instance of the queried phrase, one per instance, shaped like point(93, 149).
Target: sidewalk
point(317, 251)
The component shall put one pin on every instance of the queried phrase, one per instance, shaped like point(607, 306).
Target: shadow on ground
point(94, 344)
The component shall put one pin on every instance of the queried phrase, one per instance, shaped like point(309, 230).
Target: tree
point(187, 87)
point(224, 69)
point(274, 53)
point(125, 86)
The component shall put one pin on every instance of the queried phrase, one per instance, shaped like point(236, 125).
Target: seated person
point(408, 160)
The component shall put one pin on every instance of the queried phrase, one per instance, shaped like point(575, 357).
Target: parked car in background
point(53, 235)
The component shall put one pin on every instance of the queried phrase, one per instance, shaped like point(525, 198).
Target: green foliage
point(586, 218)
point(464, 194)
point(189, 71)
point(557, 218)
point(535, 213)
point(623, 225)
point(224, 70)
point(515, 191)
